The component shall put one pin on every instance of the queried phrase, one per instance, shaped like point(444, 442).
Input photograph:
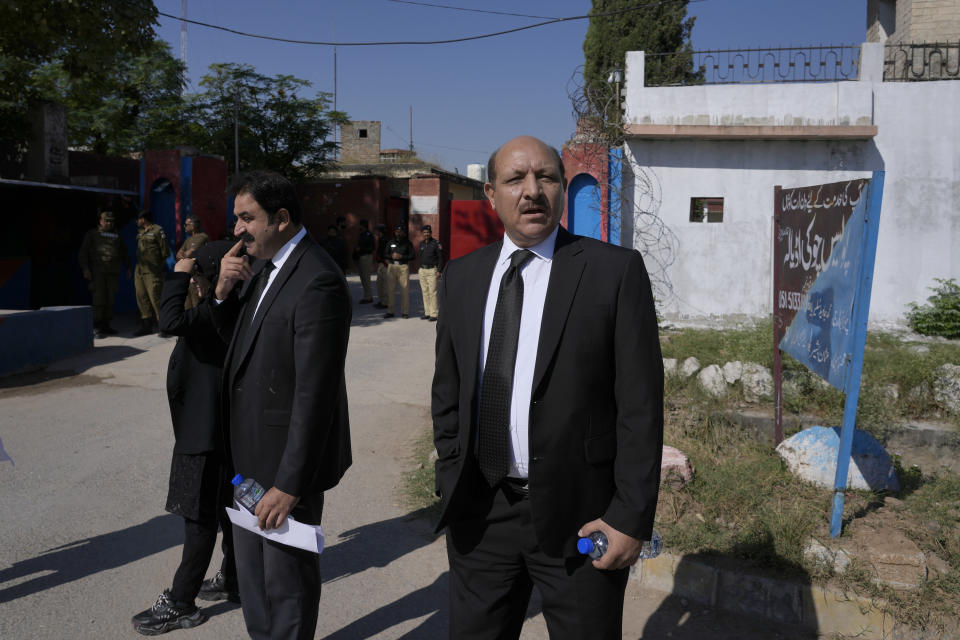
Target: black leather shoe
point(405, 316)
point(388, 315)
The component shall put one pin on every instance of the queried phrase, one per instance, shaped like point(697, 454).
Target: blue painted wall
point(583, 209)
point(30, 339)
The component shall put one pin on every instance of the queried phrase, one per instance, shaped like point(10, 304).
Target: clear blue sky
point(468, 97)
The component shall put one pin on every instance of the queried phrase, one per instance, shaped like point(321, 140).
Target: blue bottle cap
point(584, 545)
point(237, 479)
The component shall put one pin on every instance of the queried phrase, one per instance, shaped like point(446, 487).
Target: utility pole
point(411, 128)
point(336, 127)
point(236, 132)
point(183, 32)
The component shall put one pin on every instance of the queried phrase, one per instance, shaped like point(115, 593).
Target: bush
point(941, 317)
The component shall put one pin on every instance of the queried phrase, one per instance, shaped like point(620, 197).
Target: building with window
point(701, 162)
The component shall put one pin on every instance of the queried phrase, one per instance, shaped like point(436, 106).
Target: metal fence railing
point(912, 62)
point(750, 66)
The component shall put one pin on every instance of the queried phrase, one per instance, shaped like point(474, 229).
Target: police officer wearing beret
point(399, 254)
point(431, 262)
point(102, 256)
point(152, 252)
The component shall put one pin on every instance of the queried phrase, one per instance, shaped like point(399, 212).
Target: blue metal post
point(861, 314)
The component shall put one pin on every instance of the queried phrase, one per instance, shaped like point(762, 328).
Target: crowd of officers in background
point(103, 257)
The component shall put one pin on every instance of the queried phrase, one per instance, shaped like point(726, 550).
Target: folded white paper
point(291, 532)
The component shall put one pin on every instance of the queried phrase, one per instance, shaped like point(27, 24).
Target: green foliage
point(941, 316)
point(138, 105)
point(662, 28)
point(277, 128)
point(83, 37)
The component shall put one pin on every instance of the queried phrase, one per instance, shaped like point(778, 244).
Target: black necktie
point(253, 298)
point(493, 452)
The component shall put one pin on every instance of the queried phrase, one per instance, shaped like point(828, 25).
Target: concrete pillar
point(871, 62)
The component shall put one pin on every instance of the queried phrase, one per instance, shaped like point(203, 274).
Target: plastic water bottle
point(247, 492)
point(595, 545)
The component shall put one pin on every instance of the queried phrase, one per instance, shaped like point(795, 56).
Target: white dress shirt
point(278, 259)
point(536, 277)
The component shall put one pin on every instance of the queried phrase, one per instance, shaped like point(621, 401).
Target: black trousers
point(494, 563)
point(200, 536)
point(279, 588)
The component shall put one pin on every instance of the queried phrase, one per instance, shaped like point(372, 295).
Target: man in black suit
point(547, 413)
point(286, 401)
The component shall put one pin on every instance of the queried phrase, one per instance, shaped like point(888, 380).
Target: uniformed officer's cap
point(106, 215)
point(143, 214)
point(426, 227)
point(401, 227)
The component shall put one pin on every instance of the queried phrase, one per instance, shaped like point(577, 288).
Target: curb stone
point(812, 607)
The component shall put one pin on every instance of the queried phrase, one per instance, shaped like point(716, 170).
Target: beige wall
point(896, 21)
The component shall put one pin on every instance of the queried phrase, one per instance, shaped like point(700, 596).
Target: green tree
point(278, 129)
point(662, 28)
point(136, 106)
point(82, 36)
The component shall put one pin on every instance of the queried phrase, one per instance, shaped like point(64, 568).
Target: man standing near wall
point(102, 256)
point(547, 413)
point(431, 262)
point(152, 252)
point(399, 254)
point(364, 257)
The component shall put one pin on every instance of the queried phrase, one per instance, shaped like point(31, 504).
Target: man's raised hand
point(233, 269)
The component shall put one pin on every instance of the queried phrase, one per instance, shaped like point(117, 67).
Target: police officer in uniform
point(381, 259)
point(196, 239)
point(152, 252)
point(102, 256)
point(431, 262)
point(363, 255)
point(399, 254)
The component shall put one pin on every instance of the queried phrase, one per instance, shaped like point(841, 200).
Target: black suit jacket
point(286, 398)
point(596, 413)
point(193, 375)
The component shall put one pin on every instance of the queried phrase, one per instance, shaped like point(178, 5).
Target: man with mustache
point(547, 412)
point(285, 395)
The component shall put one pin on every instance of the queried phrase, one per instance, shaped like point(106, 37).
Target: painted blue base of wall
point(31, 339)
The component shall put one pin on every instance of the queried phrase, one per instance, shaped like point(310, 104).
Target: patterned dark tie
point(493, 451)
point(253, 297)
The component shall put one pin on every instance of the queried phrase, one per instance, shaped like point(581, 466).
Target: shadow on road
point(429, 601)
point(68, 368)
point(224, 606)
point(376, 544)
point(82, 558)
point(759, 602)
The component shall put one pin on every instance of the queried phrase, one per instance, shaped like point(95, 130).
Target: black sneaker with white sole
point(216, 588)
point(166, 615)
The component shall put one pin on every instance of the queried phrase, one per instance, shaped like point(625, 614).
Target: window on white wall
point(706, 209)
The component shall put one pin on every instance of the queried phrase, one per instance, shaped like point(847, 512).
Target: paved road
point(87, 543)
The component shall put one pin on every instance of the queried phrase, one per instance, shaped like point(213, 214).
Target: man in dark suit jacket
point(580, 413)
point(286, 400)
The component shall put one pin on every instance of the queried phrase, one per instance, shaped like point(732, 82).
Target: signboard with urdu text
point(825, 243)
